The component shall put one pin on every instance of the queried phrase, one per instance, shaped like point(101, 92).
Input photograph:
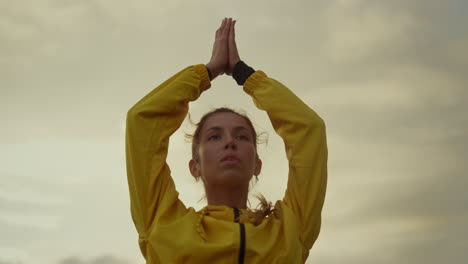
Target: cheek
point(251, 152)
point(207, 155)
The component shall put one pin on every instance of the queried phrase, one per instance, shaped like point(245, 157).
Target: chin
point(231, 177)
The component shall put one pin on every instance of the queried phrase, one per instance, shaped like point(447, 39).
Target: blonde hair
point(264, 207)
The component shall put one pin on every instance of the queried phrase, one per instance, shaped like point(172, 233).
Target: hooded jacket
point(169, 232)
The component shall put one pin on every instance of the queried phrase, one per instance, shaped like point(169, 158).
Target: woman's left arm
point(303, 133)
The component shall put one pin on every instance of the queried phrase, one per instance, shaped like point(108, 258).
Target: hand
point(220, 57)
point(232, 47)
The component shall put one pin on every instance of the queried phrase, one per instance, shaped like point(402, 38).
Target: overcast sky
point(388, 77)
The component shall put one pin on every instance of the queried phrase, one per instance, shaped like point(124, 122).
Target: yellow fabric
point(169, 232)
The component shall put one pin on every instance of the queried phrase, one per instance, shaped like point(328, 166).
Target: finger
point(224, 23)
point(227, 26)
point(232, 38)
point(232, 32)
point(221, 26)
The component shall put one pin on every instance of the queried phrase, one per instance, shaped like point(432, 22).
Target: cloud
point(105, 259)
point(388, 77)
point(397, 122)
point(10, 254)
point(358, 29)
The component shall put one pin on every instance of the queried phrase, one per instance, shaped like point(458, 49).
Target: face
point(227, 152)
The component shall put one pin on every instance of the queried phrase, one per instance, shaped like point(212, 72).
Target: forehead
point(225, 121)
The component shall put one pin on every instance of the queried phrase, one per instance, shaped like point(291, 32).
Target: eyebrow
point(217, 128)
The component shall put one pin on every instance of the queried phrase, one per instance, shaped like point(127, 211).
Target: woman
point(225, 158)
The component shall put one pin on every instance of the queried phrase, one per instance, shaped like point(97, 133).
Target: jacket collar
point(225, 213)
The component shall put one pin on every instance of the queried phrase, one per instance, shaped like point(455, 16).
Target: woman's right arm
point(150, 123)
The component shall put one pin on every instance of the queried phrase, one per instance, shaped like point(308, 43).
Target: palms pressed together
point(224, 55)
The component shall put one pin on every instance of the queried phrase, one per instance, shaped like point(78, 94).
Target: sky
point(388, 77)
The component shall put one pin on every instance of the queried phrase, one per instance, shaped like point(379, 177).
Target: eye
point(243, 137)
point(213, 137)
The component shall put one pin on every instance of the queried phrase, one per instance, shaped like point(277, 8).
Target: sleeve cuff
point(254, 81)
point(241, 72)
point(204, 76)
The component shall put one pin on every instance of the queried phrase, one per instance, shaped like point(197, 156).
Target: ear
point(194, 168)
point(258, 167)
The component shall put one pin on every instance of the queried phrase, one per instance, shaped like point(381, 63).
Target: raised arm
point(150, 123)
point(303, 133)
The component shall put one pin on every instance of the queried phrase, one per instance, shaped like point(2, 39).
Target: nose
point(230, 143)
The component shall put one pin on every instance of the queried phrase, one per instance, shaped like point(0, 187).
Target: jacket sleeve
point(150, 123)
point(303, 133)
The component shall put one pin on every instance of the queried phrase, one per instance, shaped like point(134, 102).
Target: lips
point(230, 158)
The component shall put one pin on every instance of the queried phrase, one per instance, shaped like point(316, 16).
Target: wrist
point(242, 72)
point(211, 71)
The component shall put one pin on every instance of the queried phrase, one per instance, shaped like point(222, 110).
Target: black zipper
point(242, 236)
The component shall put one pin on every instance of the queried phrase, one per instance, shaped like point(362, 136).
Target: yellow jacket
point(171, 233)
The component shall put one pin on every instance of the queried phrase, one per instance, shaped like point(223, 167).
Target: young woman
point(225, 158)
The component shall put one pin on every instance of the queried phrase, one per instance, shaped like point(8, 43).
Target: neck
point(226, 195)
